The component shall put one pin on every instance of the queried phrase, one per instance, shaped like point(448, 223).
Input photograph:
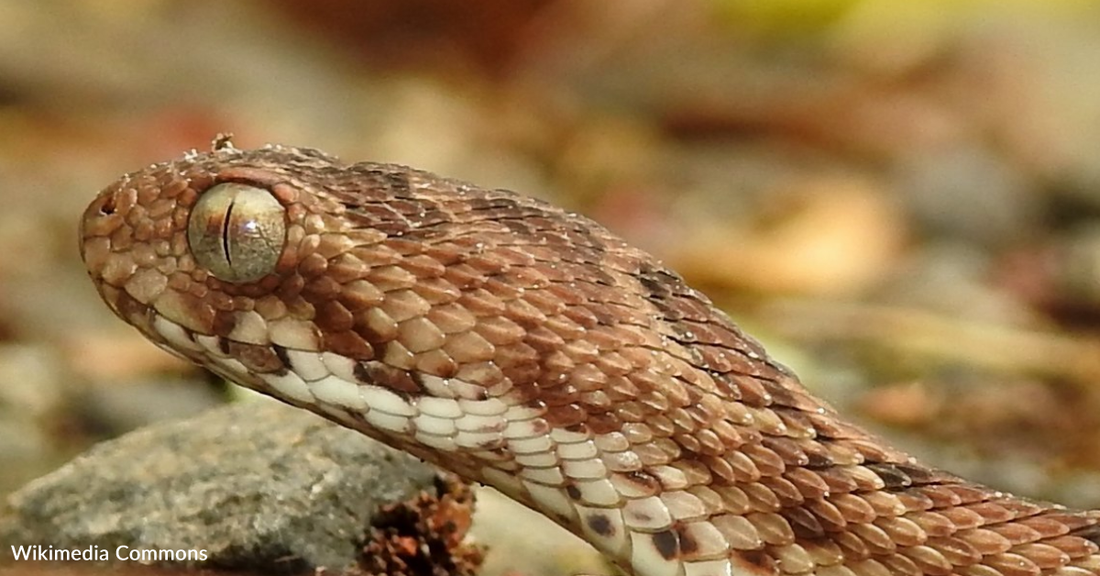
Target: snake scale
point(530, 349)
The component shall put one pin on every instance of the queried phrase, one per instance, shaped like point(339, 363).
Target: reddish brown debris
point(424, 536)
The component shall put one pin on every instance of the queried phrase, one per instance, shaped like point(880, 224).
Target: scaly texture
point(531, 349)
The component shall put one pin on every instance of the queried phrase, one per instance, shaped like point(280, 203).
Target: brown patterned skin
point(531, 349)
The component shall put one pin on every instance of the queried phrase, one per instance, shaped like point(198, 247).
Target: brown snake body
point(532, 350)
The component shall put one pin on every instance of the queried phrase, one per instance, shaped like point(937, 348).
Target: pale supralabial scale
point(532, 350)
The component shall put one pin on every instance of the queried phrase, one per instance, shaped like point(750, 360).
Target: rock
point(258, 486)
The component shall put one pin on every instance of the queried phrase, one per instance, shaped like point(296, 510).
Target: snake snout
point(102, 231)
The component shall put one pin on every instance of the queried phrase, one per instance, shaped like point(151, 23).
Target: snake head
point(388, 299)
point(226, 246)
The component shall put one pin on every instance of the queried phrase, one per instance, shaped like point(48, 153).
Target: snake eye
point(237, 232)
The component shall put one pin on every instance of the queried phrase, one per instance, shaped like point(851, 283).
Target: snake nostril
point(108, 206)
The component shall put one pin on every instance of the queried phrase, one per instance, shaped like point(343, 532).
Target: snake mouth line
point(448, 410)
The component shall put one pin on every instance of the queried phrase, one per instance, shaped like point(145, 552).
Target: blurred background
point(901, 199)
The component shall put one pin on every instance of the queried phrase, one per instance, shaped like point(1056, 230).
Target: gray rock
point(257, 485)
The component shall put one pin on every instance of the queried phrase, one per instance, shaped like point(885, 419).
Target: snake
point(530, 349)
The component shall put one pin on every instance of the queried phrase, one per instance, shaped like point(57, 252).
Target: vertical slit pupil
point(226, 226)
